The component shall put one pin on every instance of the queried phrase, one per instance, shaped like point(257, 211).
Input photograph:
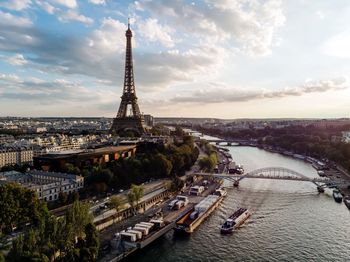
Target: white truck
point(181, 202)
point(143, 230)
point(158, 223)
point(172, 203)
point(128, 237)
point(137, 233)
point(148, 224)
point(196, 190)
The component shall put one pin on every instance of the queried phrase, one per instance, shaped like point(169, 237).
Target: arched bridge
point(276, 173)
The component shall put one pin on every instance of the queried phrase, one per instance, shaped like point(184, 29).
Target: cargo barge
point(191, 220)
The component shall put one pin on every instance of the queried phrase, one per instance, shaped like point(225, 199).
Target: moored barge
point(191, 220)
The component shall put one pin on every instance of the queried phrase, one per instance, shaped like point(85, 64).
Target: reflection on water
point(290, 221)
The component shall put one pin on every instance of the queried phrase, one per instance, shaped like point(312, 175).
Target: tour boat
point(337, 196)
point(235, 220)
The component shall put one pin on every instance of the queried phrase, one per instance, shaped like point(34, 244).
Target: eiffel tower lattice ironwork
point(134, 121)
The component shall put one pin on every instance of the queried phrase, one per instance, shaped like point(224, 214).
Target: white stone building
point(47, 185)
point(15, 155)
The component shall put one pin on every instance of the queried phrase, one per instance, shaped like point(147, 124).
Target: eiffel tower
point(134, 122)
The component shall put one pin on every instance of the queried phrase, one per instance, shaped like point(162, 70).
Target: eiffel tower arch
point(129, 118)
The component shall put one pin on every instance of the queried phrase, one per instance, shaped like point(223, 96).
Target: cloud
point(152, 31)
point(65, 15)
point(46, 7)
point(66, 3)
point(109, 38)
point(16, 5)
point(248, 25)
point(10, 20)
point(12, 78)
point(97, 2)
point(337, 45)
point(320, 14)
point(221, 93)
point(43, 91)
point(73, 15)
point(17, 59)
point(101, 55)
point(16, 33)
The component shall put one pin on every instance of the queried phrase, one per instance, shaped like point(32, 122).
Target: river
point(290, 221)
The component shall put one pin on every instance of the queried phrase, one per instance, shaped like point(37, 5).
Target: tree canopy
point(19, 207)
point(71, 238)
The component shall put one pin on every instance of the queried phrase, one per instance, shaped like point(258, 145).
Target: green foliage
point(71, 169)
point(135, 194)
point(159, 130)
point(91, 245)
point(153, 160)
point(63, 197)
point(20, 168)
point(19, 206)
point(179, 131)
point(131, 199)
point(309, 140)
point(164, 165)
point(176, 184)
point(207, 163)
point(71, 238)
point(117, 203)
point(77, 216)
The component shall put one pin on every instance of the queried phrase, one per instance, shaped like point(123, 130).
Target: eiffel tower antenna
point(134, 122)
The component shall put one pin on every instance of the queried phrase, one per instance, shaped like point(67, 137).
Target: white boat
point(235, 220)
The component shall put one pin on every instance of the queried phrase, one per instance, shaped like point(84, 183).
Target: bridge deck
point(235, 177)
point(276, 173)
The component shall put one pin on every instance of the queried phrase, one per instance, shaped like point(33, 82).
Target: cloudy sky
point(208, 58)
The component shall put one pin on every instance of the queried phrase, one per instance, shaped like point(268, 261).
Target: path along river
point(290, 221)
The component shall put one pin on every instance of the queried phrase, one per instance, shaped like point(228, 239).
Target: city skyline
point(223, 59)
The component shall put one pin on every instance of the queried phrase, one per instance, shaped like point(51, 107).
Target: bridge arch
point(275, 171)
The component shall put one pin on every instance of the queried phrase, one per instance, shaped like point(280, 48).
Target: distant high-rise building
point(149, 120)
point(129, 117)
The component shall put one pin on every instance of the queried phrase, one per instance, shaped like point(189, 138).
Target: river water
point(290, 221)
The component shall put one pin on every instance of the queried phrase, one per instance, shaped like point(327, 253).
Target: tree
point(131, 199)
point(91, 245)
point(176, 184)
point(207, 163)
point(179, 131)
point(19, 206)
point(162, 165)
point(70, 168)
point(78, 216)
point(135, 194)
point(63, 197)
point(71, 238)
point(117, 203)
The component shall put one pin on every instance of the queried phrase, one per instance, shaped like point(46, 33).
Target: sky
point(209, 58)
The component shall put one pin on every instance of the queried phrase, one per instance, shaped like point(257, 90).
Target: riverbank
point(273, 204)
point(329, 168)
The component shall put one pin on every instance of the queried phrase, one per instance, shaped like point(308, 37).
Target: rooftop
point(88, 152)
